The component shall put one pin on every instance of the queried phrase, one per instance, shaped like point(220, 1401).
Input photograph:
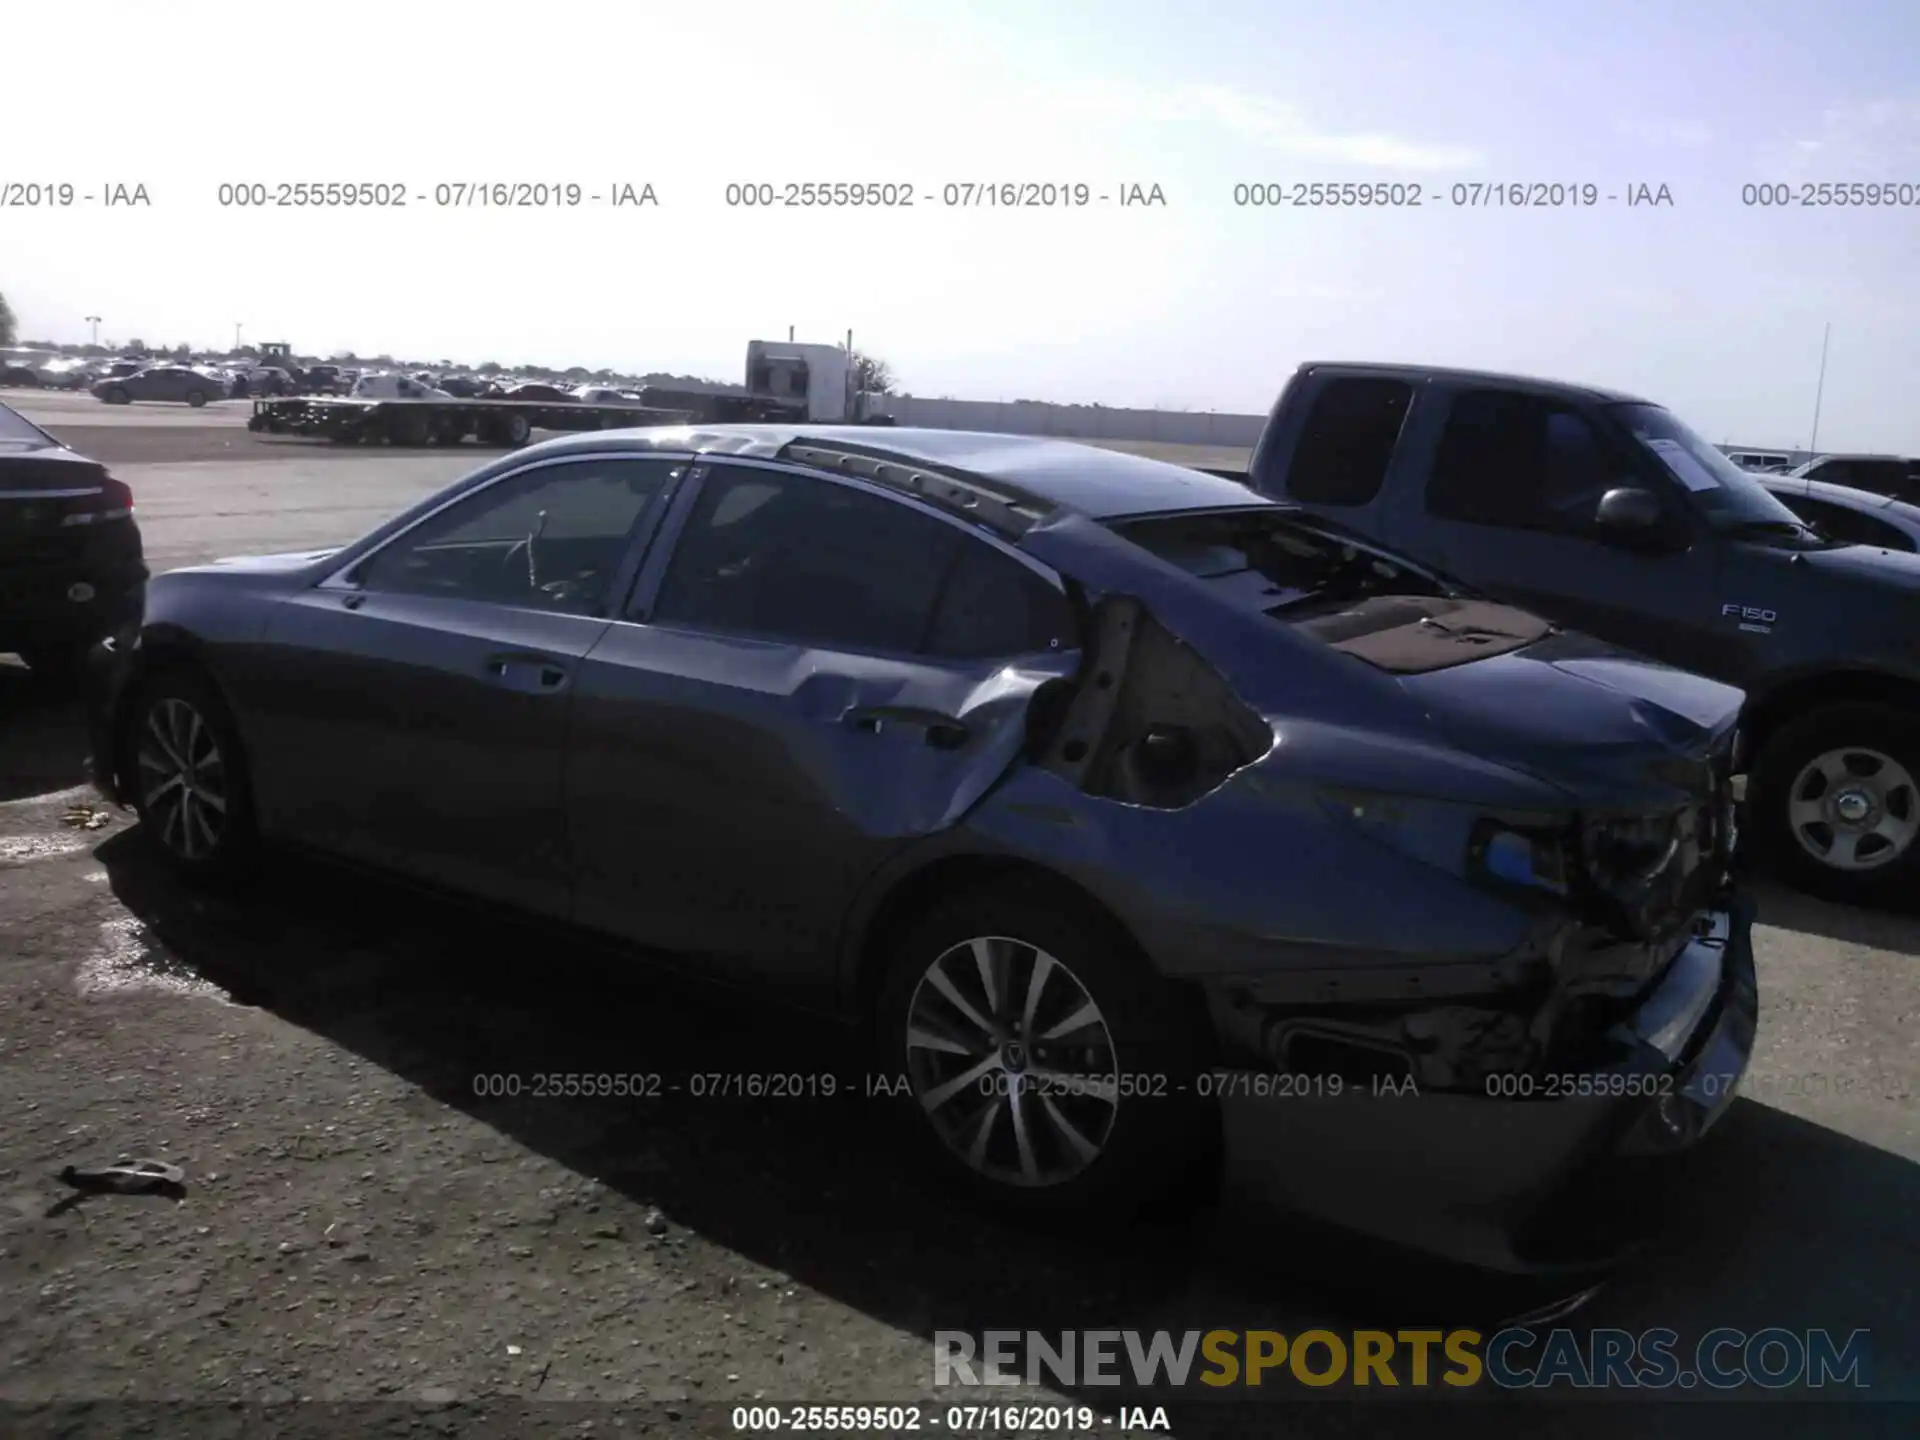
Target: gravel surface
point(363, 1229)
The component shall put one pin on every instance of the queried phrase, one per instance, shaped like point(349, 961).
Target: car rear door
point(420, 701)
point(814, 674)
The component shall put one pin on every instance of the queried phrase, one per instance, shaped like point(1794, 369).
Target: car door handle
point(943, 732)
point(535, 673)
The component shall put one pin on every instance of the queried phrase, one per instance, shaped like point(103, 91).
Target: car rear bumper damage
point(1554, 1168)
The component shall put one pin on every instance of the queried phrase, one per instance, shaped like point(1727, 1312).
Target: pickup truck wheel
point(1048, 1067)
point(1836, 802)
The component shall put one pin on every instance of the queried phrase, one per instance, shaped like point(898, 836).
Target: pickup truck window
point(1347, 441)
point(1520, 463)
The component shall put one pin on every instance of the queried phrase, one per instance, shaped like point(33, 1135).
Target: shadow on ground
point(43, 736)
point(1788, 1224)
point(1892, 929)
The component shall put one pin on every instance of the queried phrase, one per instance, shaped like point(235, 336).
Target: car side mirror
point(1631, 517)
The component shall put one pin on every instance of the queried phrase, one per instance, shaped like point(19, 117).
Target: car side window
point(993, 607)
point(548, 538)
point(1348, 441)
point(1521, 463)
point(793, 557)
point(1850, 527)
point(1882, 477)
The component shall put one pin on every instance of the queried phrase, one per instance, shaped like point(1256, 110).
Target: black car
point(1125, 811)
point(71, 565)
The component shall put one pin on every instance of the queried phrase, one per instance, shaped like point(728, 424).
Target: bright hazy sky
point(1709, 305)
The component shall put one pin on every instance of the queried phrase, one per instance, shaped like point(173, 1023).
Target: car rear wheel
point(196, 398)
point(1048, 1068)
point(187, 776)
point(1836, 802)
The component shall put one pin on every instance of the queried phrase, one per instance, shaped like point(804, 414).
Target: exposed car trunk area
point(1412, 635)
point(1152, 723)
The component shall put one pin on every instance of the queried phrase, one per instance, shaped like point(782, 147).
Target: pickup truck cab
point(1607, 514)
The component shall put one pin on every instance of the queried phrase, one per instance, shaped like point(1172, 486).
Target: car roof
point(1503, 379)
point(1063, 474)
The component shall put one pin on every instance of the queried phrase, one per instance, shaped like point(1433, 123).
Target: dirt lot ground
point(362, 1227)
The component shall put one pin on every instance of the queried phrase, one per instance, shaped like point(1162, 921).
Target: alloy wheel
point(1012, 1062)
point(1854, 809)
point(183, 779)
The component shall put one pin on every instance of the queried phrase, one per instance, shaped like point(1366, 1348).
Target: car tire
point(196, 398)
point(204, 829)
point(1865, 758)
point(1080, 1157)
point(118, 396)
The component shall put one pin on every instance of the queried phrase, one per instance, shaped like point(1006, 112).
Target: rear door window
point(993, 607)
point(1348, 440)
point(804, 559)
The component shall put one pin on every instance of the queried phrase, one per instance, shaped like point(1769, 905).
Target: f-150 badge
point(1751, 617)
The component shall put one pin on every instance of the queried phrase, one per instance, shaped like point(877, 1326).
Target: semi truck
point(786, 382)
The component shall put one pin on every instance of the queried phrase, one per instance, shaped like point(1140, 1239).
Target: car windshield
point(1732, 499)
point(19, 433)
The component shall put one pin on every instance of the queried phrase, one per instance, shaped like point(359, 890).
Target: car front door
point(815, 675)
point(420, 702)
point(1513, 481)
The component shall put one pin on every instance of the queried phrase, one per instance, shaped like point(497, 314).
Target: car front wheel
point(188, 777)
point(1836, 800)
point(1046, 1066)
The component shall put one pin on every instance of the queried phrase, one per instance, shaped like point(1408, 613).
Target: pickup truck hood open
point(1582, 715)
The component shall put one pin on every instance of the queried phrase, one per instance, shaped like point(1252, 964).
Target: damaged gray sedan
point(1139, 821)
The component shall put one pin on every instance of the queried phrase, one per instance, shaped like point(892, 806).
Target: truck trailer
point(787, 383)
point(442, 420)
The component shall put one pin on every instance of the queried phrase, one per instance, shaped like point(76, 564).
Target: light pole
point(94, 321)
point(236, 337)
point(1813, 442)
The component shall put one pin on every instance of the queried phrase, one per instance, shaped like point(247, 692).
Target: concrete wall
point(1072, 422)
point(1099, 422)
